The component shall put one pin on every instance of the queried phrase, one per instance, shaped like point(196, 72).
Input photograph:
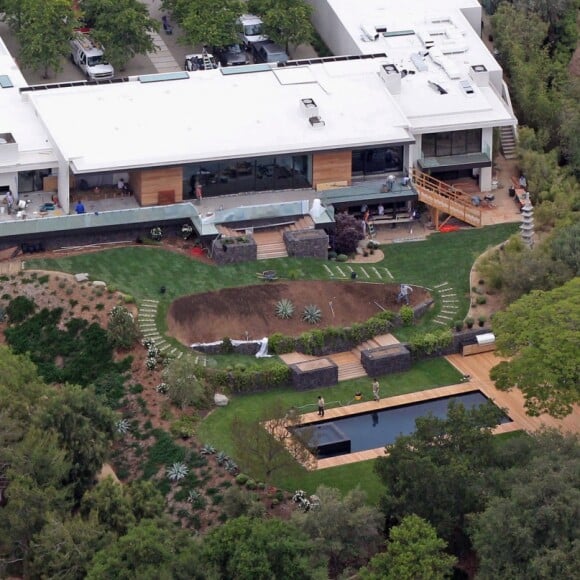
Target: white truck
point(250, 30)
point(90, 58)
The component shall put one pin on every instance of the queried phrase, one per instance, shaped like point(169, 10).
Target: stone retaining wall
point(236, 252)
point(394, 358)
point(314, 374)
point(306, 243)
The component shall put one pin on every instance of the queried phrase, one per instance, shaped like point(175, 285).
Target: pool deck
point(478, 367)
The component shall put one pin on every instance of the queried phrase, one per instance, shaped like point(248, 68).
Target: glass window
point(473, 139)
point(377, 160)
point(458, 146)
point(429, 145)
point(358, 167)
point(443, 144)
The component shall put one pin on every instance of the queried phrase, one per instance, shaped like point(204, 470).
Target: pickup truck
point(90, 58)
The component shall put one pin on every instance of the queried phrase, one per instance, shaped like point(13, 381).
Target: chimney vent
point(479, 74)
point(309, 108)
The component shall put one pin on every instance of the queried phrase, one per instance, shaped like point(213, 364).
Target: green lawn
point(215, 429)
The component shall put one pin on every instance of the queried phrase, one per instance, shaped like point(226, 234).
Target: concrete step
point(348, 372)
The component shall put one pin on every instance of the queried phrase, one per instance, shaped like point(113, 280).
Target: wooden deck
point(479, 366)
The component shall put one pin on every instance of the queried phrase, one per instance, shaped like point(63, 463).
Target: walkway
point(148, 326)
point(162, 59)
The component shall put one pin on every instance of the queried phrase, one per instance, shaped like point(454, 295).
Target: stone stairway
point(508, 142)
point(270, 245)
point(304, 223)
point(449, 304)
point(148, 326)
point(368, 345)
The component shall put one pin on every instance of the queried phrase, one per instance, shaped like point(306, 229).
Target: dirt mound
point(248, 312)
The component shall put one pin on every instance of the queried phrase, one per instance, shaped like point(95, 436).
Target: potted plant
point(458, 325)
point(481, 320)
point(469, 322)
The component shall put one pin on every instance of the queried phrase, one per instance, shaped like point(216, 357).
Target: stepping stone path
point(148, 326)
point(450, 304)
point(342, 271)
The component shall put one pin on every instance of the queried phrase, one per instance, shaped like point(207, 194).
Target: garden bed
point(249, 312)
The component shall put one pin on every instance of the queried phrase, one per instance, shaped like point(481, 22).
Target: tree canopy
point(123, 27)
point(531, 530)
point(540, 333)
point(413, 551)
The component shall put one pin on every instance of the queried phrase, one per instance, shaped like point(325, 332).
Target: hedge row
point(324, 341)
point(247, 380)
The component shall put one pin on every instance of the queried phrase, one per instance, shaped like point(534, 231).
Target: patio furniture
point(268, 275)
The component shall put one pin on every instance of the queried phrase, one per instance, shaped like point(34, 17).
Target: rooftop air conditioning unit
point(309, 108)
point(391, 77)
point(479, 74)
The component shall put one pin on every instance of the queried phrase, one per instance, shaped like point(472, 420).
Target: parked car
point(232, 55)
point(90, 58)
point(268, 51)
point(201, 61)
point(250, 30)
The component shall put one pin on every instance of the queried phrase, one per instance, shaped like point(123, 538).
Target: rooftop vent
point(369, 33)
point(391, 77)
point(316, 122)
point(466, 87)
point(479, 74)
point(445, 63)
point(309, 107)
point(8, 148)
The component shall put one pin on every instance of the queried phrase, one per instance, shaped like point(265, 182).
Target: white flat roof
point(444, 22)
point(214, 116)
point(19, 118)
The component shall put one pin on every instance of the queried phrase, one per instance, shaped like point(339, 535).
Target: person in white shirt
point(381, 209)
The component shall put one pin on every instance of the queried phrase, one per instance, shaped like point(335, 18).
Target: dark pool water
point(371, 430)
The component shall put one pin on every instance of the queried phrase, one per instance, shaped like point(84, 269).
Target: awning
point(451, 162)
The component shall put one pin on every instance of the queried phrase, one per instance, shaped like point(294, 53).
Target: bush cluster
point(430, 343)
point(332, 339)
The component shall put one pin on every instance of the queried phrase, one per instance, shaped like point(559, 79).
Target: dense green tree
point(65, 548)
point(122, 328)
point(565, 247)
point(413, 551)
point(123, 27)
point(254, 549)
point(119, 507)
point(151, 550)
point(343, 531)
point(540, 334)
point(207, 22)
point(85, 428)
point(285, 21)
point(44, 29)
point(531, 530)
point(438, 472)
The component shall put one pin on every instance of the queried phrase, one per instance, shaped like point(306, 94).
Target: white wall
point(10, 180)
point(331, 29)
point(486, 147)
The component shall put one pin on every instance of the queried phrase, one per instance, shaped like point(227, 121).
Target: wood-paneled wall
point(332, 167)
point(147, 183)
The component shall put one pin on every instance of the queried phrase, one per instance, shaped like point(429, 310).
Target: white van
point(90, 58)
point(250, 30)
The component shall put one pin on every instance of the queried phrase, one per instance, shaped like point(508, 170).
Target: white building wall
point(331, 29)
point(487, 147)
point(10, 180)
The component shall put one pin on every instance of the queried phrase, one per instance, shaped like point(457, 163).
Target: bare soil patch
point(249, 312)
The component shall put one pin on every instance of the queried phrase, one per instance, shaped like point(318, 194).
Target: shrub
point(348, 233)
point(280, 344)
point(128, 299)
point(481, 320)
point(458, 325)
point(20, 309)
point(242, 478)
point(122, 329)
point(481, 300)
point(44, 279)
point(332, 255)
point(469, 322)
point(184, 426)
point(227, 347)
point(251, 484)
point(407, 315)
point(341, 258)
point(429, 343)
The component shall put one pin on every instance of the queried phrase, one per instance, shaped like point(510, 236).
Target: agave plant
point(193, 496)
point(284, 309)
point(231, 466)
point(207, 450)
point(122, 426)
point(162, 388)
point(221, 458)
point(312, 314)
point(177, 471)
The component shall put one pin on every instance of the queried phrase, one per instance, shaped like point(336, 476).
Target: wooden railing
point(446, 198)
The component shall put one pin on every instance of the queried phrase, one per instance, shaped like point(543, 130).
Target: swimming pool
point(376, 429)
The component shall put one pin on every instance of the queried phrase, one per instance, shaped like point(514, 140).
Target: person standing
point(320, 406)
point(9, 201)
point(376, 387)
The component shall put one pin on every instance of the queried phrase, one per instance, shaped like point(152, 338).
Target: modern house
point(407, 107)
